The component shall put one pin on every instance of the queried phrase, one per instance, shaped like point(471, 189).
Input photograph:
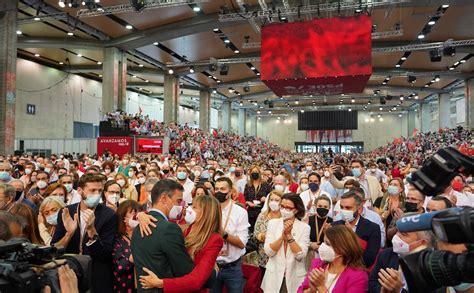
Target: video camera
point(429, 269)
point(26, 267)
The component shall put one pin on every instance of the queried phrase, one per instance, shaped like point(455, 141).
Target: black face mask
point(411, 207)
point(18, 195)
point(255, 176)
point(322, 212)
point(166, 171)
point(221, 196)
point(238, 173)
point(269, 180)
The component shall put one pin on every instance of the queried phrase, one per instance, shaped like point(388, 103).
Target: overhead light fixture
point(79, 55)
point(445, 6)
point(196, 8)
point(398, 65)
point(19, 32)
point(129, 27)
point(302, 110)
point(191, 69)
point(236, 51)
point(37, 18)
point(451, 68)
point(380, 109)
point(437, 78)
point(258, 73)
point(411, 78)
point(99, 63)
point(37, 55)
point(431, 22)
point(140, 65)
point(215, 29)
point(134, 76)
point(402, 98)
point(61, 63)
point(421, 36)
point(218, 81)
point(97, 1)
point(227, 41)
point(416, 97)
point(353, 101)
point(147, 80)
point(296, 102)
point(252, 68)
point(384, 83)
point(463, 61)
point(155, 43)
point(70, 34)
point(170, 71)
point(214, 91)
point(61, 3)
point(435, 55)
point(400, 115)
point(350, 110)
point(404, 58)
point(231, 90)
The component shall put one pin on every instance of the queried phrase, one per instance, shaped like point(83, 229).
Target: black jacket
point(100, 251)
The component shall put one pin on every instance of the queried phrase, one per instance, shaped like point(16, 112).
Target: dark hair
point(315, 174)
point(352, 182)
point(42, 172)
point(446, 201)
point(106, 187)
point(358, 161)
point(109, 164)
point(359, 190)
point(122, 210)
point(30, 230)
point(225, 179)
point(351, 194)
point(199, 186)
point(268, 169)
point(298, 202)
point(346, 243)
point(88, 178)
point(164, 186)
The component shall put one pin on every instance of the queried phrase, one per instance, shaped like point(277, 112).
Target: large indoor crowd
point(226, 213)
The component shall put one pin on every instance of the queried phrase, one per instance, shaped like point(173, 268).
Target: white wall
point(61, 99)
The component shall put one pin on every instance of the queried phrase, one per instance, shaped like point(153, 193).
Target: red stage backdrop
point(317, 57)
point(115, 144)
point(149, 145)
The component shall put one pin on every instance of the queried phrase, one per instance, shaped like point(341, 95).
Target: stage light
point(61, 3)
point(403, 58)
point(435, 56)
point(37, 55)
point(147, 80)
point(70, 34)
point(431, 22)
point(218, 81)
point(384, 83)
point(463, 61)
point(416, 97)
point(19, 32)
point(170, 71)
point(421, 36)
point(99, 63)
point(411, 79)
point(252, 68)
point(155, 43)
point(196, 8)
point(191, 69)
point(398, 65)
point(236, 51)
point(134, 76)
point(437, 78)
point(445, 6)
point(61, 63)
point(227, 41)
point(129, 27)
point(215, 30)
point(449, 51)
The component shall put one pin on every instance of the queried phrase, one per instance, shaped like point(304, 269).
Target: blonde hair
point(206, 225)
point(47, 200)
point(273, 192)
point(256, 168)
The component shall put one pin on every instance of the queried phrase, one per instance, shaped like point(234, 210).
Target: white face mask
point(304, 186)
point(175, 212)
point(274, 206)
point(286, 214)
point(113, 199)
point(347, 215)
point(373, 170)
point(27, 171)
point(279, 187)
point(327, 174)
point(326, 253)
point(190, 216)
point(68, 187)
point(121, 182)
point(133, 223)
point(130, 174)
point(399, 246)
point(42, 184)
point(141, 180)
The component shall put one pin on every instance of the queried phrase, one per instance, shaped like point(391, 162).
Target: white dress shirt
point(237, 225)
point(188, 188)
point(307, 195)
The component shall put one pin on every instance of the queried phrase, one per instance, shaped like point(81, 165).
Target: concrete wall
point(62, 99)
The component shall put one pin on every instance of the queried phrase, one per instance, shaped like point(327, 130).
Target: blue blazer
point(369, 232)
point(387, 259)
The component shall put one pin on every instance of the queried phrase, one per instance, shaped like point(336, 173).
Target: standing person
point(314, 191)
point(318, 223)
point(30, 230)
point(272, 212)
point(128, 191)
point(255, 194)
point(182, 174)
point(89, 228)
point(235, 228)
point(286, 244)
point(48, 218)
point(123, 267)
point(163, 252)
point(340, 267)
point(72, 196)
point(112, 194)
point(124, 165)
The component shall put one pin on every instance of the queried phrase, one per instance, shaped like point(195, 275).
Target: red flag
point(415, 131)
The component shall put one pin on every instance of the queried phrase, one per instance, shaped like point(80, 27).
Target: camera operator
point(386, 273)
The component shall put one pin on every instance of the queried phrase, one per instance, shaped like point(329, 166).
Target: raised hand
point(69, 223)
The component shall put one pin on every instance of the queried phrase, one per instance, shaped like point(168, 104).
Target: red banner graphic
point(114, 144)
point(149, 145)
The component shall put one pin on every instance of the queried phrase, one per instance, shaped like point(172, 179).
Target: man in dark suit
point(89, 228)
point(163, 252)
point(367, 231)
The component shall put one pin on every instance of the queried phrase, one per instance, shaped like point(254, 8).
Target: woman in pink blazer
point(340, 267)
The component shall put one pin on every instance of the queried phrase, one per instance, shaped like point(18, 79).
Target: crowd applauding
point(225, 213)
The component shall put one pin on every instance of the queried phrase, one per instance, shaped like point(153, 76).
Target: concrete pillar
point(444, 110)
point(242, 121)
point(114, 80)
point(425, 117)
point(253, 125)
point(226, 115)
point(8, 37)
point(205, 110)
point(470, 103)
point(411, 122)
point(171, 99)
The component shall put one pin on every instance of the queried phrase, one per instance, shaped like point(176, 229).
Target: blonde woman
point(48, 217)
point(128, 191)
point(203, 241)
point(271, 212)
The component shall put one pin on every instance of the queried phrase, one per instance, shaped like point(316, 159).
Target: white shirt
point(241, 184)
point(375, 218)
point(378, 174)
point(464, 199)
point(307, 195)
point(238, 225)
point(188, 188)
point(75, 197)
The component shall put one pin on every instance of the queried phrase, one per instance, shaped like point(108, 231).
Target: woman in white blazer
point(286, 244)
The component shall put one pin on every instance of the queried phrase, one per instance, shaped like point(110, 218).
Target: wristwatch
point(225, 235)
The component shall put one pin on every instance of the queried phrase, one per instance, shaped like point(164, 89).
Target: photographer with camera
point(89, 228)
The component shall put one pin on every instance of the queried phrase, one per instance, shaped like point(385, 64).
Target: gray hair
point(8, 190)
point(151, 181)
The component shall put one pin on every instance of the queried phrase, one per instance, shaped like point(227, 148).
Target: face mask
point(181, 175)
point(141, 180)
point(346, 190)
point(132, 223)
point(238, 173)
point(327, 174)
point(125, 162)
point(314, 186)
point(33, 179)
point(356, 172)
point(255, 175)
point(286, 214)
point(399, 246)
point(113, 199)
point(47, 170)
point(133, 164)
point(457, 186)
point(166, 171)
point(322, 212)
point(232, 169)
point(347, 216)
point(326, 253)
point(309, 168)
point(42, 184)
point(121, 182)
point(221, 196)
point(52, 219)
point(373, 170)
point(92, 201)
point(130, 174)
point(304, 186)
point(463, 287)
point(274, 206)
point(4, 176)
point(175, 212)
point(190, 216)
point(68, 187)
point(28, 171)
point(107, 171)
point(279, 187)
point(393, 190)
point(197, 173)
point(411, 207)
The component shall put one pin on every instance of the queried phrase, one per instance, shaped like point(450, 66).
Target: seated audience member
point(438, 203)
point(89, 227)
point(48, 217)
point(368, 232)
point(286, 244)
point(339, 267)
point(31, 230)
point(386, 273)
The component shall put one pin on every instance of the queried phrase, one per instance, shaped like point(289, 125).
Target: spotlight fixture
point(196, 8)
point(129, 27)
point(252, 68)
point(70, 34)
point(445, 6)
point(227, 41)
point(236, 51)
point(170, 71)
point(61, 3)
point(431, 22)
point(212, 67)
point(155, 43)
point(402, 98)
point(421, 36)
point(449, 51)
point(61, 63)
point(191, 69)
point(437, 78)
point(224, 69)
point(435, 55)
point(99, 63)
point(411, 78)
